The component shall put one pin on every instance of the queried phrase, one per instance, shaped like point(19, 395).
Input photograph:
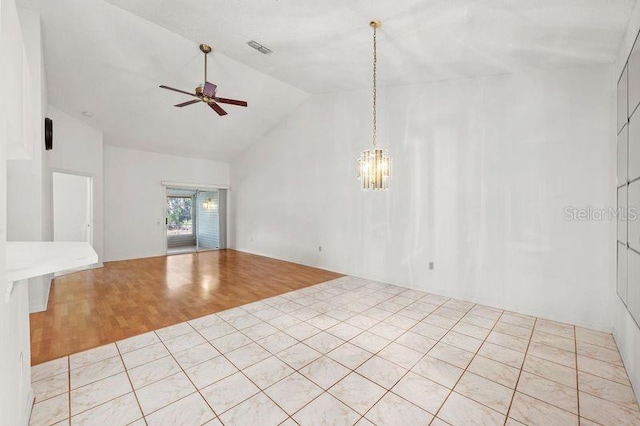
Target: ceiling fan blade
point(184, 104)
point(214, 106)
point(177, 90)
point(231, 101)
point(209, 89)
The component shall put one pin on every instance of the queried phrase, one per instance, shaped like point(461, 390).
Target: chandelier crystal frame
point(374, 165)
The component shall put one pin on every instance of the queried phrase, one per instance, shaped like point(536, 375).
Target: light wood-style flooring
point(95, 307)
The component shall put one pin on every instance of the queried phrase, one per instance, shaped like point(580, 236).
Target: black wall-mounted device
point(48, 134)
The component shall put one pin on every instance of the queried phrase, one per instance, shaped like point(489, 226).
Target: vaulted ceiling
point(109, 56)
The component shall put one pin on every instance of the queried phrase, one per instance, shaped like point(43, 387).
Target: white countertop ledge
point(32, 259)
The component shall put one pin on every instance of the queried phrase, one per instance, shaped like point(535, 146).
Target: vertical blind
point(222, 197)
point(208, 219)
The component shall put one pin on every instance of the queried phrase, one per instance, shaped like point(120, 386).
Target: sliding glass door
point(196, 220)
point(208, 219)
point(181, 226)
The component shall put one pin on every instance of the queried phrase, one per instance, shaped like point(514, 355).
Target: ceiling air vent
point(260, 48)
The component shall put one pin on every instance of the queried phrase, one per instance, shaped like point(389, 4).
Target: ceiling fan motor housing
point(206, 92)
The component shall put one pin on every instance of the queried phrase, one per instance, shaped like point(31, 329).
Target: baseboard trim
point(596, 324)
point(80, 269)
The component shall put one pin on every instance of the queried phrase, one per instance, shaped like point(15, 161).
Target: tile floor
point(348, 351)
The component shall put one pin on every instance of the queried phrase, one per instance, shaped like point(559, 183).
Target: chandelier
point(374, 165)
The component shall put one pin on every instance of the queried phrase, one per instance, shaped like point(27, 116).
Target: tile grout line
point(393, 313)
point(347, 341)
point(166, 356)
point(387, 391)
point(182, 370)
point(575, 341)
point(636, 395)
point(321, 283)
point(561, 349)
point(133, 389)
point(563, 385)
point(607, 378)
point(126, 370)
point(288, 290)
point(423, 356)
point(198, 390)
point(261, 391)
point(534, 356)
point(95, 381)
point(284, 313)
point(342, 344)
point(543, 377)
point(69, 385)
point(561, 365)
point(515, 389)
point(637, 412)
point(465, 370)
point(348, 368)
point(231, 362)
point(392, 295)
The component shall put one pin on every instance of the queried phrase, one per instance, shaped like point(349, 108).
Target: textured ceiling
point(109, 56)
point(102, 59)
point(325, 45)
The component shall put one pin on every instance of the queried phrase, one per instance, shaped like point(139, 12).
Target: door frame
point(191, 186)
point(90, 201)
point(165, 220)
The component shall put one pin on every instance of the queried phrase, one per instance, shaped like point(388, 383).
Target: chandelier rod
point(375, 25)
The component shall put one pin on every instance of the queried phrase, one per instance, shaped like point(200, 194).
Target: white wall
point(25, 194)
point(626, 331)
point(24, 177)
point(483, 170)
point(71, 209)
point(78, 148)
point(134, 197)
point(16, 396)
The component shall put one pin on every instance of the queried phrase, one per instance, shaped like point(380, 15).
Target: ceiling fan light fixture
point(374, 165)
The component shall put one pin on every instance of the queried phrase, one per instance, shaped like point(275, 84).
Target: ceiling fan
point(207, 93)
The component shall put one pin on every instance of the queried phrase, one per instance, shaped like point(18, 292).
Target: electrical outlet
point(319, 248)
point(431, 265)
